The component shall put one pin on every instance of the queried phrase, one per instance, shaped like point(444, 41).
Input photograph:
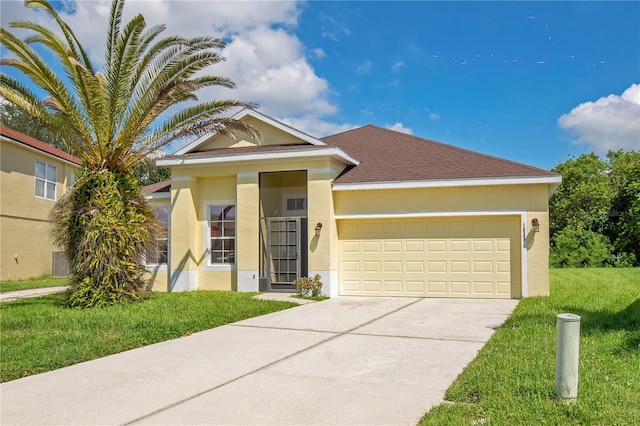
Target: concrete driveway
point(348, 360)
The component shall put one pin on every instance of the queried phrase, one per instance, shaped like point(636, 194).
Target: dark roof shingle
point(389, 156)
point(164, 186)
point(39, 145)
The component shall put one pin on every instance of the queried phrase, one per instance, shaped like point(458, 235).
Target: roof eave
point(256, 156)
point(445, 183)
point(42, 152)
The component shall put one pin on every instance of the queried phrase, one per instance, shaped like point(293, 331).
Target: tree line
point(595, 213)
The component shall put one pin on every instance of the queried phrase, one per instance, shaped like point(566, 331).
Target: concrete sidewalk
point(34, 292)
point(342, 361)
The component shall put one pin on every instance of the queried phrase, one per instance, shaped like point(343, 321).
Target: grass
point(37, 282)
point(512, 380)
point(40, 334)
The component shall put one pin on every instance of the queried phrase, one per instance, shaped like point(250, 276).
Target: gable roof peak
point(270, 121)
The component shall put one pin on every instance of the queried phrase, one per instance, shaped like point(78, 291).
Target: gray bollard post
point(567, 355)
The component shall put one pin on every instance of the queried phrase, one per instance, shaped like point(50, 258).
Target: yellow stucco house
point(33, 176)
point(373, 211)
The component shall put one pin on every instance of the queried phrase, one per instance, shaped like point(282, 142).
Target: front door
point(283, 252)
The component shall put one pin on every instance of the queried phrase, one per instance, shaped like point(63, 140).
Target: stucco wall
point(157, 278)
point(24, 218)
point(478, 198)
point(270, 135)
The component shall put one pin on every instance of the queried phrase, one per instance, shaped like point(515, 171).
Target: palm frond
point(120, 114)
point(115, 20)
point(74, 45)
point(126, 54)
point(34, 67)
point(197, 121)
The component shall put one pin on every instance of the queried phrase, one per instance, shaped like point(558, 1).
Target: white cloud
point(318, 53)
point(364, 68)
point(315, 126)
point(269, 68)
point(434, 117)
point(610, 123)
point(331, 36)
point(332, 28)
point(263, 55)
point(397, 66)
point(399, 127)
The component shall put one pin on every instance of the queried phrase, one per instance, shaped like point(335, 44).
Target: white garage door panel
point(460, 257)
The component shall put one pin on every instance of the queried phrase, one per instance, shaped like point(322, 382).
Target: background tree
point(584, 198)
point(595, 212)
point(112, 119)
point(624, 215)
point(15, 118)
point(147, 172)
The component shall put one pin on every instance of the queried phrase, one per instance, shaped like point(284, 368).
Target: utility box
point(60, 264)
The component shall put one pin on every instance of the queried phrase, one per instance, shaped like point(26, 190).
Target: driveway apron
point(347, 360)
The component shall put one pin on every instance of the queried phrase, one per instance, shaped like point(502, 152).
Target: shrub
point(105, 224)
point(309, 286)
point(575, 247)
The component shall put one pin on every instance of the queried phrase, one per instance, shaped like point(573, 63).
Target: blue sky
point(489, 76)
point(494, 77)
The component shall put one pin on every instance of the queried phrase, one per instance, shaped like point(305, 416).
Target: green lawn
point(37, 282)
point(511, 382)
point(40, 334)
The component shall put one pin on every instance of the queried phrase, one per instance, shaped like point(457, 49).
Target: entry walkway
point(355, 361)
point(34, 292)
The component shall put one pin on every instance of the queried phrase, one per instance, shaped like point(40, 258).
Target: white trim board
point(460, 213)
point(158, 196)
point(444, 183)
point(207, 265)
point(182, 178)
point(333, 172)
point(259, 156)
point(279, 125)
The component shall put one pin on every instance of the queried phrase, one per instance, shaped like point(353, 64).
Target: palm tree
point(112, 119)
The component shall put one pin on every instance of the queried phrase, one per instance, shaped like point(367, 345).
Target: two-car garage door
point(476, 257)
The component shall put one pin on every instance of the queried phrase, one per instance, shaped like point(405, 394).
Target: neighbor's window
point(158, 253)
point(46, 175)
point(222, 231)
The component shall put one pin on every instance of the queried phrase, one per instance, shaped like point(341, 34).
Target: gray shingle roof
point(386, 155)
point(37, 144)
point(390, 156)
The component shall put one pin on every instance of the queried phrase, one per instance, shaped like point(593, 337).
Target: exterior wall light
point(318, 228)
point(535, 225)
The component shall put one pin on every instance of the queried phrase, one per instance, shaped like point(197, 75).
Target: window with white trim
point(46, 180)
point(222, 234)
point(158, 253)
